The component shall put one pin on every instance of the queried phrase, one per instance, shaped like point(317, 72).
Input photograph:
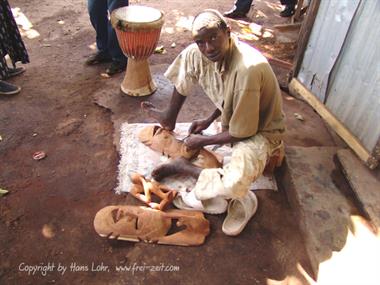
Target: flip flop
point(187, 201)
point(240, 211)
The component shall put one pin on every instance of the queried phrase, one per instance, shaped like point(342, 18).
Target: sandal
point(8, 88)
point(240, 211)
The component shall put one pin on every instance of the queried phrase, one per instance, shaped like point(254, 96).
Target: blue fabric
point(106, 39)
point(242, 6)
point(289, 2)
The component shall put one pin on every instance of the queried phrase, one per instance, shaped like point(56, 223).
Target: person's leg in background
point(11, 44)
point(97, 10)
point(106, 40)
point(240, 9)
point(290, 7)
point(6, 72)
point(119, 60)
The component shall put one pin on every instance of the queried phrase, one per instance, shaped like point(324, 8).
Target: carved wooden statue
point(143, 189)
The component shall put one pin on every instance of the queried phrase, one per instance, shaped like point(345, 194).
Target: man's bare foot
point(159, 115)
point(176, 166)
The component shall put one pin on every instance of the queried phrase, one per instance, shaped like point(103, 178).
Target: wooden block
point(364, 184)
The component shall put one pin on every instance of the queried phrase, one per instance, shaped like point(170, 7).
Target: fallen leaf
point(299, 117)
point(1, 138)
point(38, 155)
point(105, 75)
point(3, 192)
point(160, 50)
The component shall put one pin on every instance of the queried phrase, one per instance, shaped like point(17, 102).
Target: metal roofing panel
point(326, 39)
point(354, 91)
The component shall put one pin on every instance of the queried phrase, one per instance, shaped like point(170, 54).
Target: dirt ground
point(46, 219)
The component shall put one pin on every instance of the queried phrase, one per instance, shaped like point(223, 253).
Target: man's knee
point(276, 158)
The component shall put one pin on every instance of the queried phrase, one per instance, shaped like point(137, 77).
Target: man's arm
point(214, 115)
point(167, 117)
point(198, 141)
point(199, 125)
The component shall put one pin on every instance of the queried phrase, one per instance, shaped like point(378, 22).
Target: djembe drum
point(138, 30)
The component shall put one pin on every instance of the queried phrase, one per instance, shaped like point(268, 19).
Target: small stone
point(299, 117)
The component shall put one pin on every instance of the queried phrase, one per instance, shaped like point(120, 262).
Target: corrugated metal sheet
point(354, 91)
point(325, 42)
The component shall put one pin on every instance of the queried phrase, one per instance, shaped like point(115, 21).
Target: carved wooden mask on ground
point(135, 223)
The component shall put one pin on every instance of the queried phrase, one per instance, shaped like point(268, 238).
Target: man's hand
point(198, 141)
point(195, 141)
point(198, 126)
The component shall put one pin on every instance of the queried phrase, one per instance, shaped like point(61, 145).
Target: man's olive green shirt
point(243, 87)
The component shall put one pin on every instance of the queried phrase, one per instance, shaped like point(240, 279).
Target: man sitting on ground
point(240, 82)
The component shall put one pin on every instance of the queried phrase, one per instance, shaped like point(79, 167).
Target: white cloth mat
point(137, 157)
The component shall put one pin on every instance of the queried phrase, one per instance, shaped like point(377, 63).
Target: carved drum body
point(138, 30)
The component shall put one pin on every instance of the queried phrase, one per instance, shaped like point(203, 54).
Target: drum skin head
point(135, 16)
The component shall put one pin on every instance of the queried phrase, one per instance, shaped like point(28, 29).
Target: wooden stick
point(297, 88)
point(287, 27)
point(279, 62)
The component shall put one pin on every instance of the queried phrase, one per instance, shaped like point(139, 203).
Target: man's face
point(212, 42)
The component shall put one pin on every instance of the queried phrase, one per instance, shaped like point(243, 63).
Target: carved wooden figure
point(149, 187)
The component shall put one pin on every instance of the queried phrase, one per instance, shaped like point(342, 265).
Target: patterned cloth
point(10, 40)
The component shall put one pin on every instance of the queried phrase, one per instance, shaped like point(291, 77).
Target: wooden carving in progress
point(135, 223)
point(163, 141)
